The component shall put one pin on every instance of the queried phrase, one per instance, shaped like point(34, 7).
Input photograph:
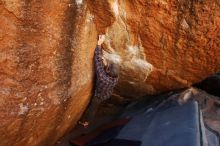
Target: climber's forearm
point(101, 39)
point(98, 61)
point(99, 65)
point(98, 53)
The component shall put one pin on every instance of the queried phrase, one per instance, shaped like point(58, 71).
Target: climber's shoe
point(84, 124)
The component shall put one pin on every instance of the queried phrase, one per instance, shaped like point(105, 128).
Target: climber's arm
point(99, 65)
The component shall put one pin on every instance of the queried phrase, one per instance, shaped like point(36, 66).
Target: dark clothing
point(103, 87)
point(104, 83)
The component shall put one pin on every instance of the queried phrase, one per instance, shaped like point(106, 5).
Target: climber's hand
point(101, 39)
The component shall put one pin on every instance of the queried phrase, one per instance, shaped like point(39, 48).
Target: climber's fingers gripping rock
point(101, 39)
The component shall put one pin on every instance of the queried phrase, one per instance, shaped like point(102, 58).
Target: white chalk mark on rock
point(184, 24)
point(112, 57)
point(90, 18)
point(79, 2)
point(115, 7)
point(138, 61)
point(133, 50)
point(23, 109)
point(132, 83)
point(142, 64)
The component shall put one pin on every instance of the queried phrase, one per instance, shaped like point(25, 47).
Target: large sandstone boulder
point(162, 45)
point(46, 67)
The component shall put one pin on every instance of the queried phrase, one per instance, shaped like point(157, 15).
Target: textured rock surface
point(45, 70)
point(164, 45)
point(46, 52)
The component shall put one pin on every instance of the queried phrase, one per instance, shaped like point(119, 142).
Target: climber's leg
point(90, 112)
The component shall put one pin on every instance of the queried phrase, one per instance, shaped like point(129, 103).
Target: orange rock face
point(164, 45)
point(46, 57)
